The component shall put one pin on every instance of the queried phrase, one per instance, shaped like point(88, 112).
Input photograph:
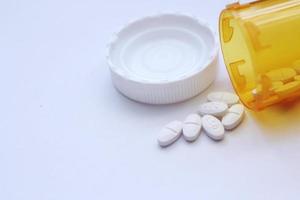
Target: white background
point(67, 134)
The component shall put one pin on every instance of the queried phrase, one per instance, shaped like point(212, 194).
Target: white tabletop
point(67, 134)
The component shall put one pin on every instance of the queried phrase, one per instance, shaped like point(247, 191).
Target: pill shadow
point(278, 119)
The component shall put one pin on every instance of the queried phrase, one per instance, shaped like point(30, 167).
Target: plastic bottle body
point(261, 49)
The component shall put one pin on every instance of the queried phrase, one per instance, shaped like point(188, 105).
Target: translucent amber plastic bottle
point(261, 49)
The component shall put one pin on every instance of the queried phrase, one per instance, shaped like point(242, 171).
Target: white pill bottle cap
point(163, 59)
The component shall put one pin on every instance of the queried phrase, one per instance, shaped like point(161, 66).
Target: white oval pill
point(169, 133)
point(192, 127)
point(237, 108)
point(282, 74)
point(213, 127)
point(234, 117)
point(226, 97)
point(217, 109)
point(288, 88)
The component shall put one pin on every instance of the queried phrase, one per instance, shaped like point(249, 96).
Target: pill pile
point(277, 84)
point(221, 112)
